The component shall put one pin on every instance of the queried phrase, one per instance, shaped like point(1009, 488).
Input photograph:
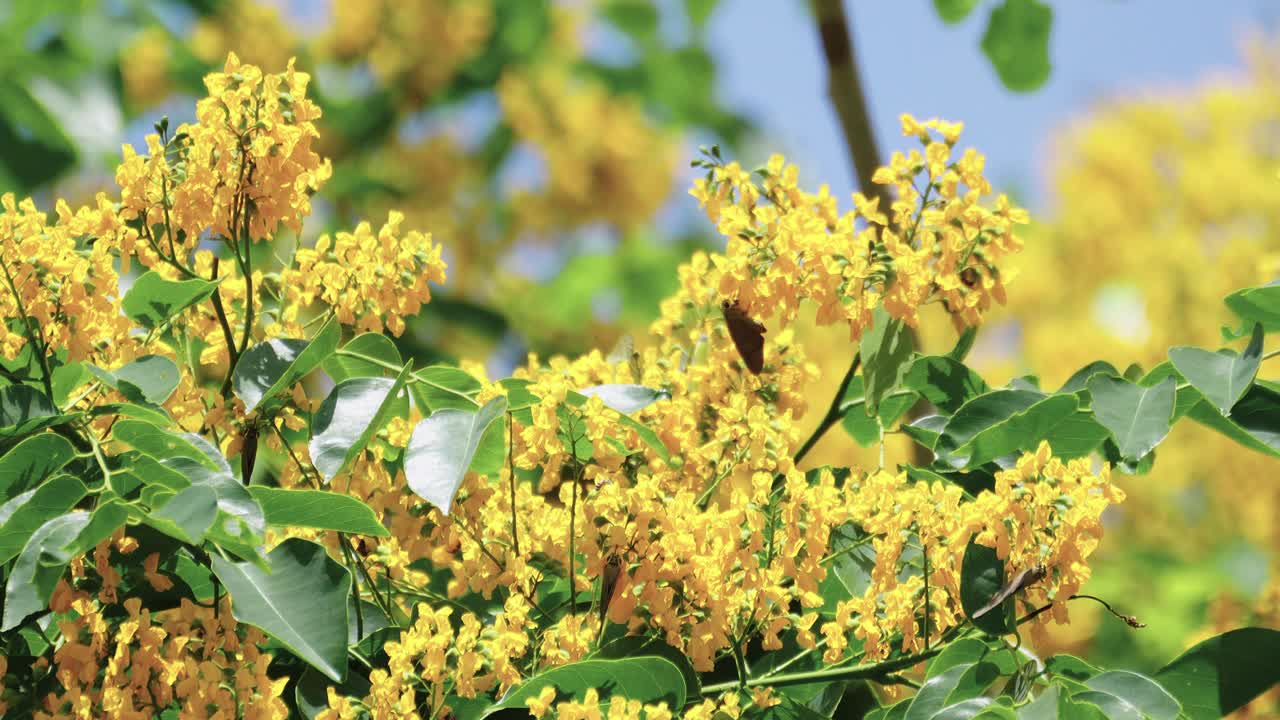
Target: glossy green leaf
point(1000, 423)
point(1254, 421)
point(311, 694)
point(626, 399)
point(348, 418)
point(39, 567)
point(1259, 304)
point(1017, 43)
point(153, 414)
point(646, 433)
point(640, 646)
point(66, 379)
point(866, 430)
point(301, 603)
point(23, 410)
point(21, 516)
point(981, 578)
point(153, 300)
point(926, 430)
point(317, 509)
point(29, 462)
point(647, 679)
point(1080, 378)
point(1137, 417)
point(186, 515)
point(853, 558)
point(269, 368)
point(367, 355)
point(1137, 690)
point(961, 652)
point(1220, 675)
point(956, 684)
point(1070, 666)
point(973, 708)
point(441, 387)
point(105, 519)
point(442, 449)
point(149, 379)
point(1112, 706)
point(886, 356)
point(945, 382)
point(1224, 376)
point(163, 445)
point(1078, 435)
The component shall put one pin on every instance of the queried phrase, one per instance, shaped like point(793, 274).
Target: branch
point(834, 412)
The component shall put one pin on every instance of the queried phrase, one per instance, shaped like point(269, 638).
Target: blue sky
point(771, 66)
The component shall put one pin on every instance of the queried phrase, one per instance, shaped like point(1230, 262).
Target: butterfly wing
point(747, 335)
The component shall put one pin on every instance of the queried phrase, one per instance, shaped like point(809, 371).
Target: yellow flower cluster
point(371, 281)
point(590, 707)
point(243, 170)
point(936, 242)
point(604, 159)
point(1044, 512)
point(72, 293)
point(418, 45)
point(193, 657)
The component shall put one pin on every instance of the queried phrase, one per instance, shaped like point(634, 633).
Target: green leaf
point(271, 367)
point(1222, 674)
point(853, 559)
point(39, 567)
point(149, 379)
point(301, 603)
point(442, 449)
point(152, 300)
point(647, 679)
point(945, 382)
point(1071, 667)
point(866, 430)
point(926, 430)
point(357, 358)
point(29, 462)
point(25, 513)
point(646, 434)
point(163, 445)
point(981, 579)
point(66, 378)
point(1254, 421)
point(960, 652)
point(105, 519)
point(151, 413)
point(348, 418)
point(1113, 707)
point(441, 387)
point(317, 509)
point(187, 515)
point(1139, 691)
point(641, 646)
point(1080, 378)
point(1222, 376)
point(311, 694)
point(1257, 305)
point(23, 410)
point(974, 708)
point(1017, 43)
point(1078, 435)
point(886, 355)
point(1137, 417)
point(626, 399)
point(999, 423)
point(956, 684)
point(953, 11)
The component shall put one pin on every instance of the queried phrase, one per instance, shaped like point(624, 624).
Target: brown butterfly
point(1027, 577)
point(747, 335)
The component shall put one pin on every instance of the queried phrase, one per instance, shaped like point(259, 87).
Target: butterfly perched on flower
point(747, 335)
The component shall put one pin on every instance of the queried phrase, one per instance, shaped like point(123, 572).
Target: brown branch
point(844, 85)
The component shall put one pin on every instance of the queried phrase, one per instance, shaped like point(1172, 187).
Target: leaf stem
point(834, 412)
point(874, 671)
